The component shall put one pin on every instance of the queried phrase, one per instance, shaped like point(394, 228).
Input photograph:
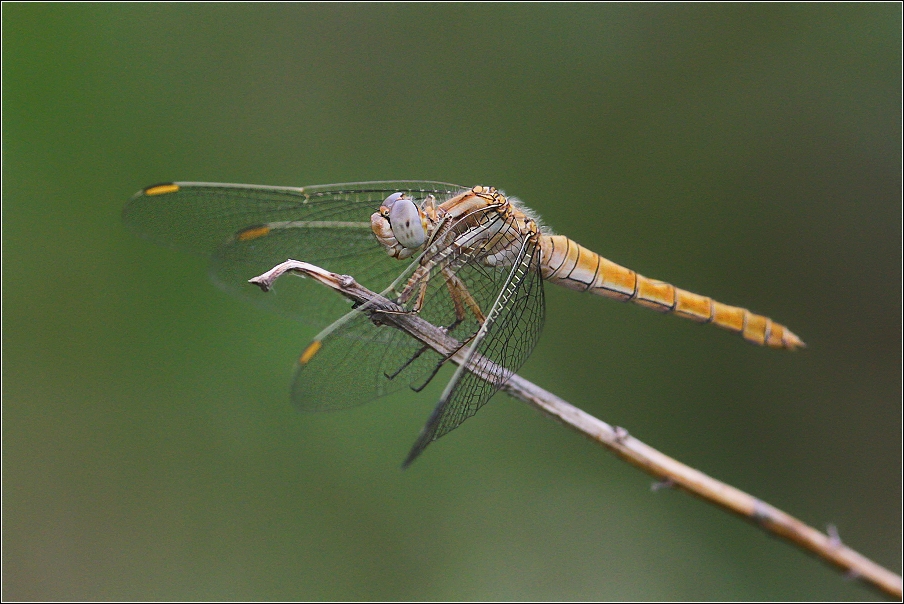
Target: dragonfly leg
point(461, 298)
point(428, 207)
point(416, 307)
point(418, 282)
point(413, 358)
point(456, 288)
point(459, 292)
point(432, 375)
point(443, 360)
point(419, 302)
point(459, 317)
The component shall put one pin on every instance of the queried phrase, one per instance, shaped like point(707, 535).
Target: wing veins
point(448, 405)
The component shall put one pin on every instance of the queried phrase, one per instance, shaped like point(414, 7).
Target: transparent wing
point(358, 362)
point(247, 229)
point(357, 358)
point(497, 351)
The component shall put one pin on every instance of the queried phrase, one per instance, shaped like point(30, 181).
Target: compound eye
point(390, 201)
point(405, 221)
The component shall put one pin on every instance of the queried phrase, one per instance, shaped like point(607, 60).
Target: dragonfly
point(469, 260)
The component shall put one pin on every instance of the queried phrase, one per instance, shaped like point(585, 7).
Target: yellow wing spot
point(309, 352)
point(252, 233)
point(161, 189)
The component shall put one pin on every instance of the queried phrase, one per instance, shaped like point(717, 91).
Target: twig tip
point(261, 282)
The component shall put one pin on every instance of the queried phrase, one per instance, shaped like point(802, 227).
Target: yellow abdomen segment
point(571, 265)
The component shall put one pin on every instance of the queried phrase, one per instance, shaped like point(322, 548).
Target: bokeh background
point(747, 152)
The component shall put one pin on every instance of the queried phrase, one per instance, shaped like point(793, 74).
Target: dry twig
point(670, 471)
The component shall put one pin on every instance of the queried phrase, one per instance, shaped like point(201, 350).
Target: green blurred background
point(747, 152)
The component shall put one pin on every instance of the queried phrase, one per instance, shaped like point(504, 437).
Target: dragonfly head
point(406, 221)
point(400, 225)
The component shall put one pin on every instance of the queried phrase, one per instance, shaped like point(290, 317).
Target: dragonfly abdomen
point(571, 265)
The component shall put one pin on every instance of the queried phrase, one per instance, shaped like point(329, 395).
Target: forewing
point(497, 351)
point(247, 229)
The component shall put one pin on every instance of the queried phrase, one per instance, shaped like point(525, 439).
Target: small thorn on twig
point(834, 537)
point(621, 435)
point(665, 483)
point(761, 514)
point(851, 575)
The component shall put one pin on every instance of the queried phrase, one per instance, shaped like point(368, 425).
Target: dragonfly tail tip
point(792, 342)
